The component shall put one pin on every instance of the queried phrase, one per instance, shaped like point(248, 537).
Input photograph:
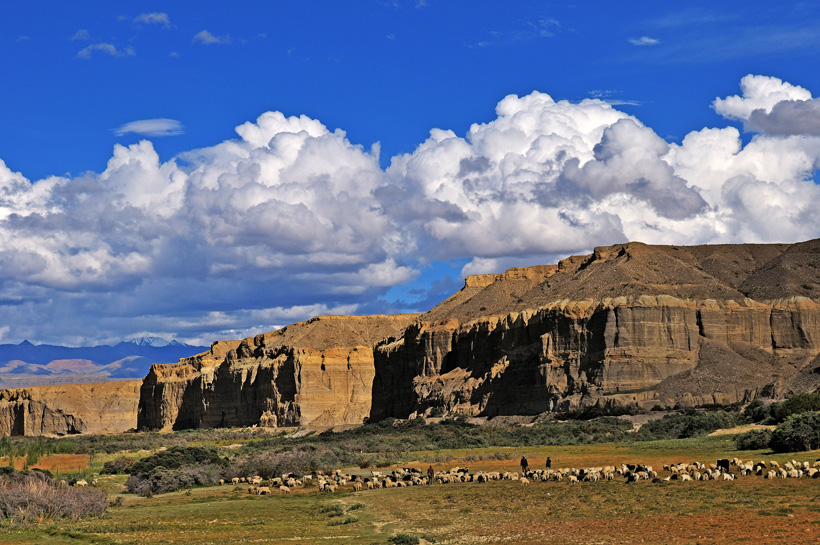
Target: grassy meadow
point(750, 510)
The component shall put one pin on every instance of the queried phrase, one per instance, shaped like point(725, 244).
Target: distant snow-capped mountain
point(127, 359)
point(156, 342)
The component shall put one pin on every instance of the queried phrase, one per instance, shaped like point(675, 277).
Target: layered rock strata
point(94, 408)
point(317, 373)
point(629, 325)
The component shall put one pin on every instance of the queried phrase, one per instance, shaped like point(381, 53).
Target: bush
point(161, 480)
point(341, 521)
point(753, 440)
point(27, 497)
point(796, 404)
point(759, 413)
point(799, 432)
point(176, 457)
point(118, 466)
point(682, 426)
point(403, 539)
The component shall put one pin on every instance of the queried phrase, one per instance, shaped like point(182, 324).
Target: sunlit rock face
point(629, 325)
point(317, 373)
point(94, 408)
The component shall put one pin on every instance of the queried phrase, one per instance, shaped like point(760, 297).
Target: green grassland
point(749, 510)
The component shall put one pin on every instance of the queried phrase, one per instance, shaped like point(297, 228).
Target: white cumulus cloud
point(291, 218)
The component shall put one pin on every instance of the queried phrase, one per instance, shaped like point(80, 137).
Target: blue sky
point(142, 193)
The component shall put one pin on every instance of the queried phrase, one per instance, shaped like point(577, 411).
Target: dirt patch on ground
point(55, 463)
point(741, 429)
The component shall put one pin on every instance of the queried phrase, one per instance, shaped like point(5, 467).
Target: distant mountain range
point(27, 364)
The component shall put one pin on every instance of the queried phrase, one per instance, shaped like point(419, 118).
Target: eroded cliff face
point(95, 408)
point(317, 373)
point(659, 327)
point(627, 325)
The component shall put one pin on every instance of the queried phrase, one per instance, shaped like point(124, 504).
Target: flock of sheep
point(724, 469)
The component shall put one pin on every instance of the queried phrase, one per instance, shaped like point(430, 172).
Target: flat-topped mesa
point(104, 407)
point(316, 373)
point(628, 324)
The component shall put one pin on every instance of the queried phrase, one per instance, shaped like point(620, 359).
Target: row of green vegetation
point(198, 457)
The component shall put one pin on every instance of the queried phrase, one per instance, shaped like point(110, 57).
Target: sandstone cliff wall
point(95, 408)
point(317, 373)
point(566, 356)
point(627, 325)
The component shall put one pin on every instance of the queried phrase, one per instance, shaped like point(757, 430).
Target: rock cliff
point(317, 373)
point(105, 407)
point(628, 325)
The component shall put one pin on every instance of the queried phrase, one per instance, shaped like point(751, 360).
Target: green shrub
point(758, 412)
point(753, 440)
point(403, 539)
point(798, 433)
point(118, 466)
point(796, 404)
point(340, 521)
point(175, 458)
point(683, 426)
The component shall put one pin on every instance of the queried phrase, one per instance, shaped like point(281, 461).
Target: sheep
point(235, 480)
point(685, 477)
point(82, 483)
point(284, 489)
point(263, 491)
point(252, 489)
point(524, 481)
point(357, 486)
point(572, 479)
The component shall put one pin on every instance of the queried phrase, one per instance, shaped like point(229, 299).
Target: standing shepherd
point(549, 462)
point(430, 474)
point(524, 465)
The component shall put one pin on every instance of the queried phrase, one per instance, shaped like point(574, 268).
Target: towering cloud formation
point(292, 219)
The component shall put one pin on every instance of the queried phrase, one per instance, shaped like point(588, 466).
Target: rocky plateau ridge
point(627, 327)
